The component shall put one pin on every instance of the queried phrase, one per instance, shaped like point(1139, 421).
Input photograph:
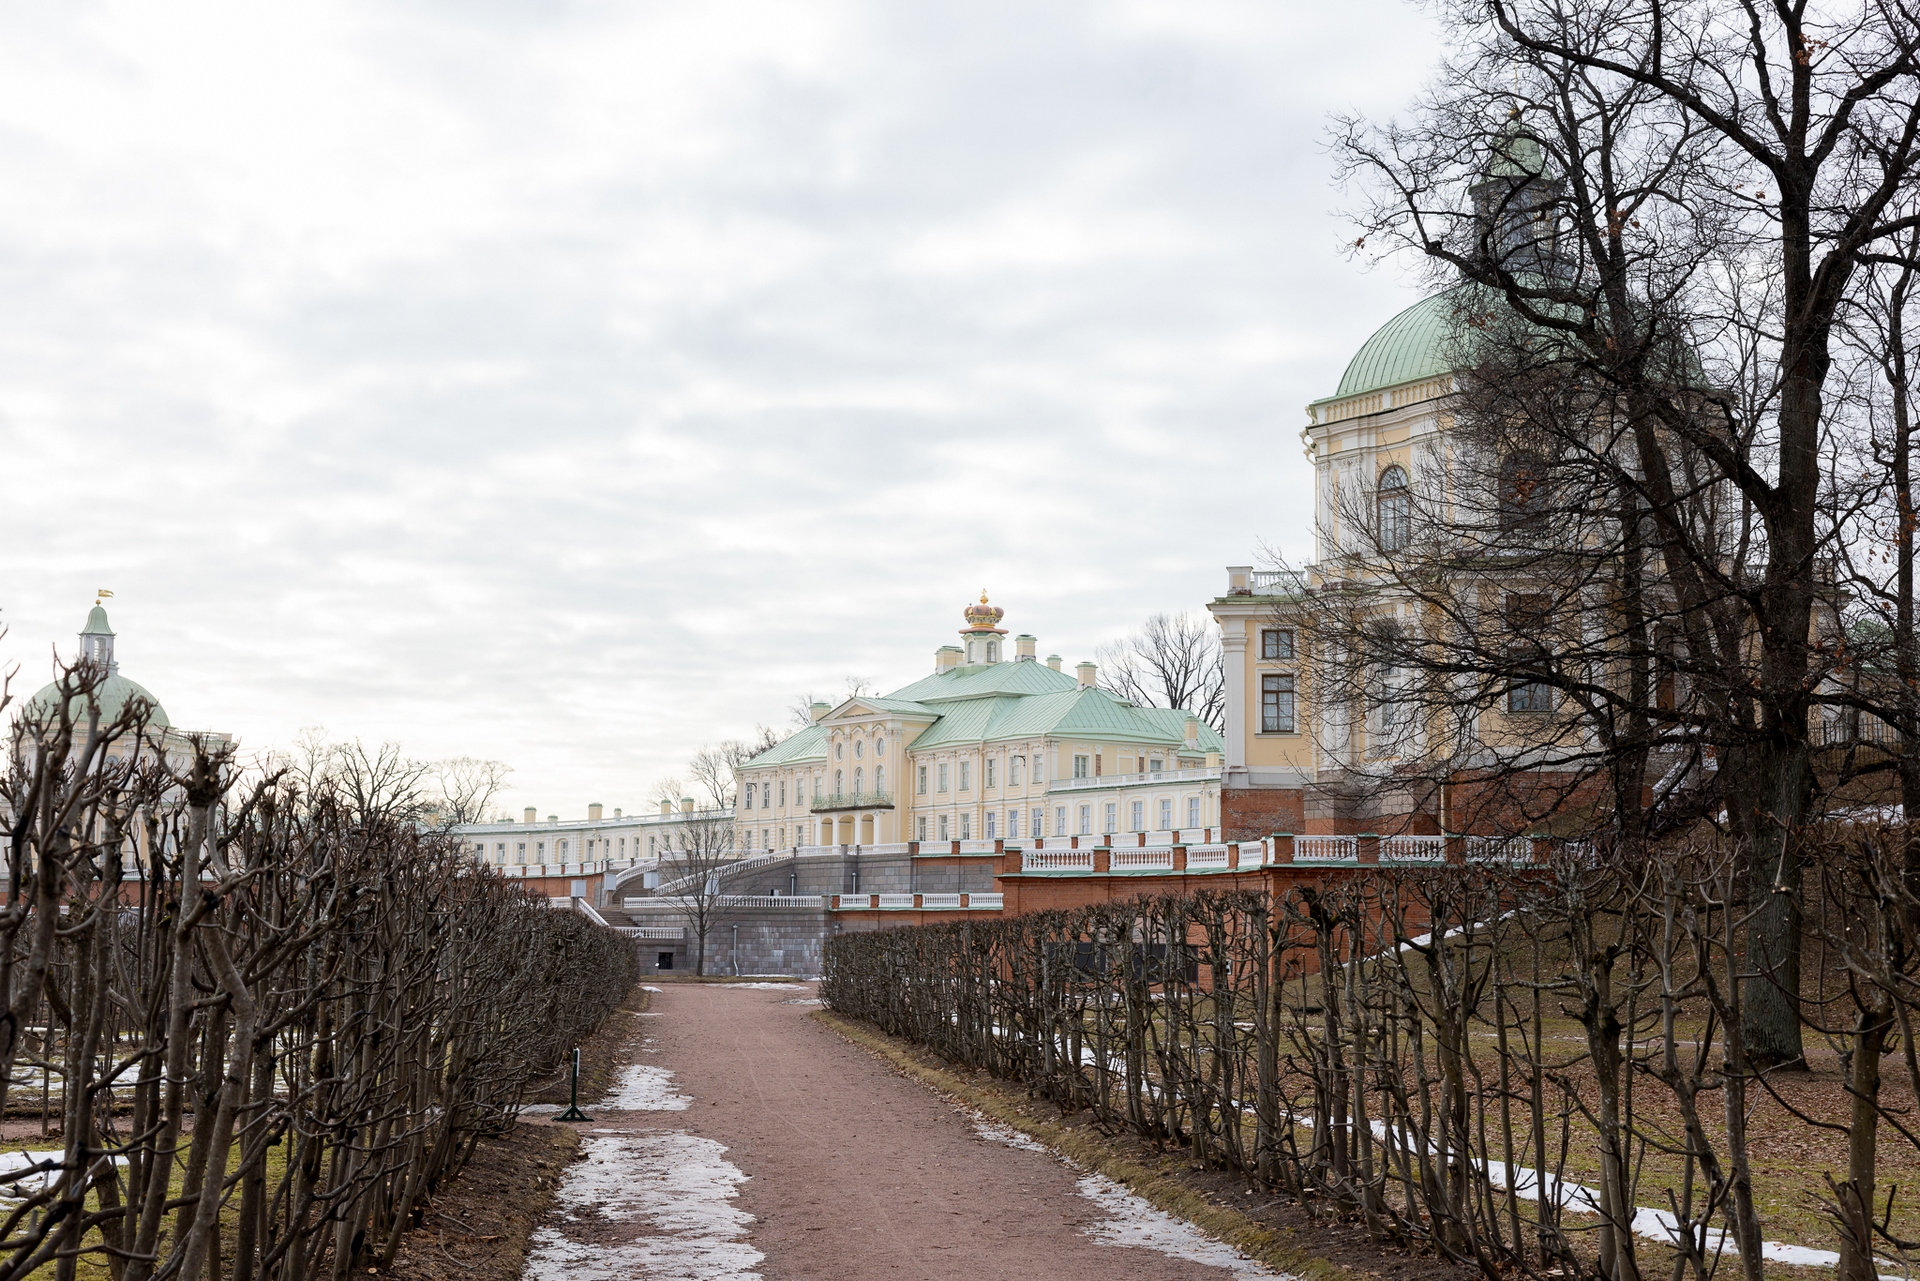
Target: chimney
point(1088, 674)
point(616, 811)
point(1193, 730)
point(819, 711)
point(1023, 646)
point(593, 812)
point(1053, 661)
point(946, 658)
point(533, 815)
point(686, 805)
point(666, 808)
point(553, 818)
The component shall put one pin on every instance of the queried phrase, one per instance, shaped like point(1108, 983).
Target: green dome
point(114, 695)
point(1414, 344)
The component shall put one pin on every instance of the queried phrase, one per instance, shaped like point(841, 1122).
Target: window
point(563, 851)
point(837, 749)
point(1530, 696)
point(879, 747)
point(1396, 510)
point(993, 651)
point(1139, 816)
point(859, 780)
point(540, 850)
point(1086, 820)
point(859, 749)
point(966, 826)
point(1276, 705)
point(923, 781)
point(500, 852)
point(521, 853)
point(966, 776)
point(816, 786)
point(1276, 644)
point(783, 793)
point(1193, 811)
point(880, 779)
point(1155, 765)
point(766, 838)
point(749, 795)
point(1013, 825)
point(990, 764)
point(1112, 809)
point(1039, 769)
point(943, 776)
point(988, 833)
point(1014, 770)
point(839, 782)
point(650, 847)
point(1037, 826)
point(623, 847)
point(1166, 814)
point(922, 828)
point(943, 827)
point(1079, 767)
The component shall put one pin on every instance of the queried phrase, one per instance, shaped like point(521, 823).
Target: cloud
point(574, 383)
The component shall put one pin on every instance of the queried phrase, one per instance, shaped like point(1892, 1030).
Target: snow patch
point(805, 1000)
point(645, 1088)
point(676, 1188)
point(644, 987)
point(1133, 1221)
point(762, 987)
point(994, 1132)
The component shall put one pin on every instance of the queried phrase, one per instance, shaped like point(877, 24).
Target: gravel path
point(745, 1140)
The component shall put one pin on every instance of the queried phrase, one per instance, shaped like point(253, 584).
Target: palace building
point(992, 745)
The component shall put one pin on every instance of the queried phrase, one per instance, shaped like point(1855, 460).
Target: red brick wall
point(1250, 813)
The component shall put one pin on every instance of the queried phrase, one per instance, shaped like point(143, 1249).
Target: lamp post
point(573, 1112)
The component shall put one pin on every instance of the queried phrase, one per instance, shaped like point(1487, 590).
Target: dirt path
point(743, 1139)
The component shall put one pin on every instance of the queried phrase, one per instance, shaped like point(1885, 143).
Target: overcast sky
point(577, 383)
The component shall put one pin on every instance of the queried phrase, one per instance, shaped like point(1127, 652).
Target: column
point(1233, 646)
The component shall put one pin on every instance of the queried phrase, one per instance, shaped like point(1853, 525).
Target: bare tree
point(1671, 203)
point(467, 787)
point(1174, 660)
point(693, 868)
point(713, 768)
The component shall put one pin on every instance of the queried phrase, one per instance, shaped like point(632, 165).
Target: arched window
point(859, 778)
point(839, 782)
point(1396, 509)
point(880, 780)
point(993, 651)
point(1523, 490)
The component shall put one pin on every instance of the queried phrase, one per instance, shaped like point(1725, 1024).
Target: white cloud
point(575, 383)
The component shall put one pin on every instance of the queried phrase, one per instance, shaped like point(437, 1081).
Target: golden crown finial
point(983, 595)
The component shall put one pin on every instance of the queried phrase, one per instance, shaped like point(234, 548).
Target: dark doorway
point(666, 960)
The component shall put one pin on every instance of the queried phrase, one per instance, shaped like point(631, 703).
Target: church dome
point(1415, 344)
point(114, 693)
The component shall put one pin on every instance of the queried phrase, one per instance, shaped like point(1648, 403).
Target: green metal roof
point(97, 622)
point(113, 696)
point(804, 745)
point(1417, 343)
point(986, 678)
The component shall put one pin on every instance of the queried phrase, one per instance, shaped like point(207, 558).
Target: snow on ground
point(1131, 1220)
point(645, 987)
point(675, 1188)
point(761, 987)
point(805, 1000)
point(645, 1088)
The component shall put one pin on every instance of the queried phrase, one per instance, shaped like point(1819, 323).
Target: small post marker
point(573, 1112)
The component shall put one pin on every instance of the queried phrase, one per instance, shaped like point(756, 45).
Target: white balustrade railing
point(1496, 849)
point(987, 902)
point(1056, 861)
point(653, 931)
point(939, 902)
point(894, 901)
point(1413, 849)
point(1151, 778)
point(1325, 849)
point(776, 900)
point(1202, 857)
point(1253, 853)
point(1160, 860)
point(855, 902)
